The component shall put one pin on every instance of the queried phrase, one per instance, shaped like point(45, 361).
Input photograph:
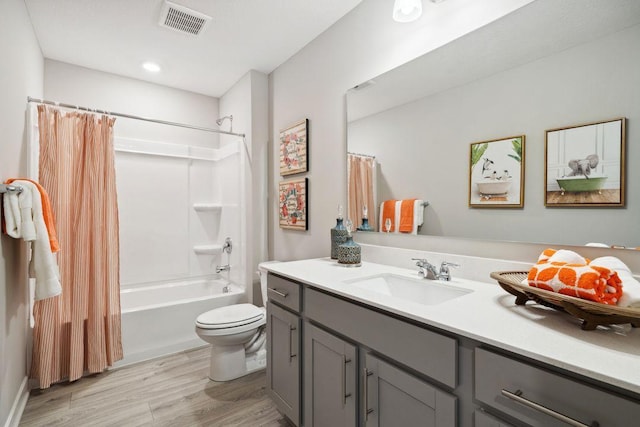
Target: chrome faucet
point(221, 268)
point(426, 270)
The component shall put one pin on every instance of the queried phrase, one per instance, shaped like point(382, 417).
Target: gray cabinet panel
point(283, 291)
point(425, 351)
point(283, 364)
point(482, 419)
point(330, 379)
point(584, 403)
point(395, 398)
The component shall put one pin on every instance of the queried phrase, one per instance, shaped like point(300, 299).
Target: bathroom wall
point(312, 84)
point(247, 100)
point(433, 135)
point(21, 75)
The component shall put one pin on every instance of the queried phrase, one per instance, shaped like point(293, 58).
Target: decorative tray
point(591, 313)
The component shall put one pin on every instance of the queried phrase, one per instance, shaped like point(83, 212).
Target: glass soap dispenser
point(365, 220)
point(338, 234)
point(349, 253)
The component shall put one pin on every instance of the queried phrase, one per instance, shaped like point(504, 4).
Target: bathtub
point(577, 184)
point(493, 188)
point(159, 319)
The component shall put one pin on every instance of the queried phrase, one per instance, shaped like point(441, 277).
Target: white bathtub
point(159, 319)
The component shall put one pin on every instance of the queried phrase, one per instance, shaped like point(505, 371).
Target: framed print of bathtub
point(496, 173)
point(292, 204)
point(585, 165)
point(294, 141)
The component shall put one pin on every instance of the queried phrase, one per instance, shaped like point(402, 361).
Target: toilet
point(237, 335)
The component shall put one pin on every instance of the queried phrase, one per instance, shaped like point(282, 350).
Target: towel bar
point(5, 188)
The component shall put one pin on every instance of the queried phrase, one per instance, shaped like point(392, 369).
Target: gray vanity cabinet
point(392, 397)
point(283, 361)
point(482, 419)
point(542, 398)
point(330, 379)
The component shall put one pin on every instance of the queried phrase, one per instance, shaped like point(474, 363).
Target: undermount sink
point(421, 291)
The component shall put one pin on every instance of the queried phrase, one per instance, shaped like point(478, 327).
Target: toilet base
point(231, 362)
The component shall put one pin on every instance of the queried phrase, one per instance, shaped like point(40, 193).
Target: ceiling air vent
point(183, 19)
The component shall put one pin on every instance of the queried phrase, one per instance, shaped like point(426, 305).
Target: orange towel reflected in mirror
point(388, 212)
point(406, 216)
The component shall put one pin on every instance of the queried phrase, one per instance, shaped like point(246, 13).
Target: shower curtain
point(361, 192)
point(79, 330)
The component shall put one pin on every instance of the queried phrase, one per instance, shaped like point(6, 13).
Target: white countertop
point(489, 315)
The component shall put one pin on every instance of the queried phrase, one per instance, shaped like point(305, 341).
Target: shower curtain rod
point(361, 155)
point(130, 116)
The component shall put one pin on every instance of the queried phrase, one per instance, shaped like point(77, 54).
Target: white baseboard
point(19, 403)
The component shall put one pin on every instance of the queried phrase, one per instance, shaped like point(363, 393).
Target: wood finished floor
point(172, 391)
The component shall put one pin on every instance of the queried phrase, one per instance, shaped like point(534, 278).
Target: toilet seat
point(231, 319)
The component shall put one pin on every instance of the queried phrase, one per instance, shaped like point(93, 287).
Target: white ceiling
point(117, 36)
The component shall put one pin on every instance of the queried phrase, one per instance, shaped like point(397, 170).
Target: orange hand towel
point(47, 213)
point(406, 216)
point(580, 280)
point(388, 211)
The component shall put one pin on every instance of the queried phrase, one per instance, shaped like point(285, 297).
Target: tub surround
point(489, 315)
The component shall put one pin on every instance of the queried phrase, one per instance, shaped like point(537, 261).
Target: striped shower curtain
point(79, 331)
point(361, 192)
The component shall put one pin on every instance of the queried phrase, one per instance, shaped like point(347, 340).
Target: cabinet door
point(283, 364)
point(482, 419)
point(392, 397)
point(330, 379)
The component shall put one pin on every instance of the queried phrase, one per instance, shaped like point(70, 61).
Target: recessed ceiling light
point(151, 67)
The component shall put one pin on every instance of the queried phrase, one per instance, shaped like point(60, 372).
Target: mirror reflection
point(548, 65)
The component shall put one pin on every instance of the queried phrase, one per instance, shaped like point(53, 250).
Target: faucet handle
point(446, 264)
point(420, 262)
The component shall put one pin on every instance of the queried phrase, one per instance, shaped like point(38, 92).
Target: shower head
point(222, 119)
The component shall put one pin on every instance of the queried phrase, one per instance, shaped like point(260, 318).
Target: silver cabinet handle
point(291, 329)
point(277, 292)
point(517, 397)
point(344, 380)
point(367, 410)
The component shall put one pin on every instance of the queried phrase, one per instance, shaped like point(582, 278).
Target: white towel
point(630, 286)
point(43, 266)
point(12, 217)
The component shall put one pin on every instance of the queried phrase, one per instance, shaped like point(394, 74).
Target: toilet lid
point(230, 316)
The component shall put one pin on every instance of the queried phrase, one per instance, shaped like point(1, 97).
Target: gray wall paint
point(20, 76)
point(313, 83)
point(423, 146)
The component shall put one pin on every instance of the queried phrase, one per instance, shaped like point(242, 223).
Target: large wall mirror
point(548, 65)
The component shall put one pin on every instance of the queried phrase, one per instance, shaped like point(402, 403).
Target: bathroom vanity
point(374, 346)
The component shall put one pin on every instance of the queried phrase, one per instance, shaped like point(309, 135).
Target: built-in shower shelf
point(207, 249)
point(207, 207)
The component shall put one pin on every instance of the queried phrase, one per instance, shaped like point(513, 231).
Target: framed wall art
point(585, 165)
point(496, 173)
point(292, 204)
point(294, 144)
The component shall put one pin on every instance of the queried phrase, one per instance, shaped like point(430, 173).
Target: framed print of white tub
point(585, 165)
point(496, 173)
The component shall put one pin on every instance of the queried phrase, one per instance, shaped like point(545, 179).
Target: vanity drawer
point(427, 352)
point(284, 292)
point(509, 385)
